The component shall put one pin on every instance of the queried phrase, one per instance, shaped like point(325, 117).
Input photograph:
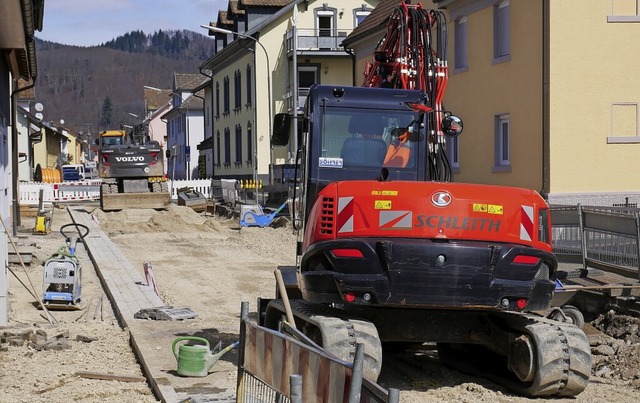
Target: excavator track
point(545, 358)
point(335, 333)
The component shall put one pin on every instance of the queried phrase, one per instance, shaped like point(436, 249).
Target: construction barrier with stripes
point(59, 192)
point(88, 190)
point(285, 367)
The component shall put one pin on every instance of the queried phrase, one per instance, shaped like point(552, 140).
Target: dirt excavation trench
point(209, 265)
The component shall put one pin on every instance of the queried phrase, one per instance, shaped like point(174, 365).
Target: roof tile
point(233, 8)
point(378, 19)
point(187, 82)
point(263, 3)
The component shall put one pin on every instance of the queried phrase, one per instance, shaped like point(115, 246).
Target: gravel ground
point(203, 262)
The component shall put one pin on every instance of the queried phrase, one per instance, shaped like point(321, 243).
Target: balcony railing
point(316, 39)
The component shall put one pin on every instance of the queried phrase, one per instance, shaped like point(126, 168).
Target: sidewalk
point(151, 339)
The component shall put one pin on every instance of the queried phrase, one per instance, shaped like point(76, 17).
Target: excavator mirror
point(281, 127)
point(452, 126)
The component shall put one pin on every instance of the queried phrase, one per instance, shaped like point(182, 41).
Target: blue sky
point(92, 22)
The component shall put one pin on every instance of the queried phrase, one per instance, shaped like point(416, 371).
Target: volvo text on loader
point(390, 252)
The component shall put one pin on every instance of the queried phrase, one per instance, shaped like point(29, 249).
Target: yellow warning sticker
point(480, 208)
point(382, 205)
point(495, 209)
point(384, 193)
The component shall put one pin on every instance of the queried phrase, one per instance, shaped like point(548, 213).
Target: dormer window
point(360, 14)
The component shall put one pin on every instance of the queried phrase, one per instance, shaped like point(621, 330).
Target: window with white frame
point(624, 123)
point(624, 11)
point(461, 44)
point(360, 14)
point(325, 21)
point(308, 75)
point(501, 32)
point(502, 161)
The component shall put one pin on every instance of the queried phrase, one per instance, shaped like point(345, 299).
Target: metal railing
point(316, 39)
point(605, 238)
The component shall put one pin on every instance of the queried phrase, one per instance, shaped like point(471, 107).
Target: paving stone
point(58, 345)
point(86, 339)
point(165, 313)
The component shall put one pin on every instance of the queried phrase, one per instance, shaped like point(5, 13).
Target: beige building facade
point(254, 78)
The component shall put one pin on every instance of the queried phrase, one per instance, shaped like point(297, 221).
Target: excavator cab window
point(358, 142)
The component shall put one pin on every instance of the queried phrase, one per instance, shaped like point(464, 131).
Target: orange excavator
point(391, 253)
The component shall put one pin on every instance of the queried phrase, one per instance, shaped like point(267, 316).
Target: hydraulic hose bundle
point(407, 59)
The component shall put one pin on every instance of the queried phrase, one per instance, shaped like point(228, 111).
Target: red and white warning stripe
point(345, 214)
point(526, 223)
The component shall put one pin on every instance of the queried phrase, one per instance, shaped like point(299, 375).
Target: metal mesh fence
point(253, 390)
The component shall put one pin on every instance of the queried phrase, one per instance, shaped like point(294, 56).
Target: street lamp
point(255, 80)
point(186, 105)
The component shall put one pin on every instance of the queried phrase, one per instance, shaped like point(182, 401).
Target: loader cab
point(111, 138)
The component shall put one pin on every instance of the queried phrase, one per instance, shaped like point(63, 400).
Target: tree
point(107, 113)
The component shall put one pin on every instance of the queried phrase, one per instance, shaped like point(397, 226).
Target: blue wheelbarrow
point(259, 218)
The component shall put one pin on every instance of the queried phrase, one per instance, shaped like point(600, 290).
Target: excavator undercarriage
point(527, 353)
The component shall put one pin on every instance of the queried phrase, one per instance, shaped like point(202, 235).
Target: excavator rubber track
point(334, 332)
point(545, 359)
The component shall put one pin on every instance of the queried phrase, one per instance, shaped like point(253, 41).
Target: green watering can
point(196, 359)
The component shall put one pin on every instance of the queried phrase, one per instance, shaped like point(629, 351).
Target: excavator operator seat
point(362, 151)
point(366, 148)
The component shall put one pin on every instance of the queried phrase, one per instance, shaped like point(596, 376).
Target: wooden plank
point(124, 282)
point(26, 257)
point(110, 377)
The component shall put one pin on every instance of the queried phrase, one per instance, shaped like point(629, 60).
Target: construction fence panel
point(199, 185)
point(268, 359)
point(566, 233)
point(87, 190)
point(606, 238)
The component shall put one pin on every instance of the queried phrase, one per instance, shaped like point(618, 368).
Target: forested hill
point(73, 82)
point(181, 45)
